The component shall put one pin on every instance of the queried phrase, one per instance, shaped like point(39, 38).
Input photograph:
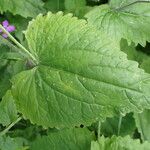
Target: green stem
point(99, 129)
point(10, 126)
point(119, 124)
point(19, 45)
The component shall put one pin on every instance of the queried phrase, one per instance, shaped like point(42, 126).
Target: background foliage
point(75, 75)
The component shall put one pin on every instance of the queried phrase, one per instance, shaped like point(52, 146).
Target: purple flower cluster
point(8, 27)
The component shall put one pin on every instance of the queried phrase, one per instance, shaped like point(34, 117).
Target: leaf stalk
point(10, 126)
point(34, 60)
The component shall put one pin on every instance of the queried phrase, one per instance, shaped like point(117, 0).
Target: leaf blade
point(31, 7)
point(118, 143)
point(75, 139)
point(90, 89)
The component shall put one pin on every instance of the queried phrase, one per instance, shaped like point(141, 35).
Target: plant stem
point(119, 124)
point(19, 45)
point(99, 129)
point(10, 126)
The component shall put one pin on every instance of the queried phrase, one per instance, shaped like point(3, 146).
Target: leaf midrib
point(87, 77)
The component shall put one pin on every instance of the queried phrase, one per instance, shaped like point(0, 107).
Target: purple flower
point(8, 27)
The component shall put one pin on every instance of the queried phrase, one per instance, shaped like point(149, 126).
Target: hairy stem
point(10, 126)
point(119, 124)
point(99, 129)
point(19, 45)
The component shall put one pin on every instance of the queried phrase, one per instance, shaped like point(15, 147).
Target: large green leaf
point(25, 8)
point(128, 19)
point(119, 143)
point(80, 78)
point(68, 139)
point(8, 111)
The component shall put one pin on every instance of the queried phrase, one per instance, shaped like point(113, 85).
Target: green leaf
point(30, 132)
point(74, 4)
point(11, 63)
point(73, 139)
point(77, 7)
point(133, 53)
point(110, 126)
point(131, 6)
point(4, 75)
point(141, 119)
point(119, 143)
point(54, 5)
point(8, 143)
point(80, 78)
point(146, 65)
point(4, 82)
point(8, 111)
point(25, 8)
point(128, 19)
point(143, 124)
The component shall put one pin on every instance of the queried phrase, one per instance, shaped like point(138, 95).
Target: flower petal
point(5, 24)
point(10, 28)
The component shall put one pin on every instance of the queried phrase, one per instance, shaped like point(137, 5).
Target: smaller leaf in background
point(67, 139)
point(25, 8)
point(119, 143)
point(25, 130)
point(8, 111)
point(11, 63)
point(74, 4)
point(133, 6)
point(4, 73)
point(4, 82)
point(8, 143)
point(143, 124)
point(146, 65)
point(142, 120)
point(132, 52)
point(77, 7)
point(123, 19)
point(3, 51)
point(110, 126)
point(54, 5)
point(11, 68)
point(137, 54)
